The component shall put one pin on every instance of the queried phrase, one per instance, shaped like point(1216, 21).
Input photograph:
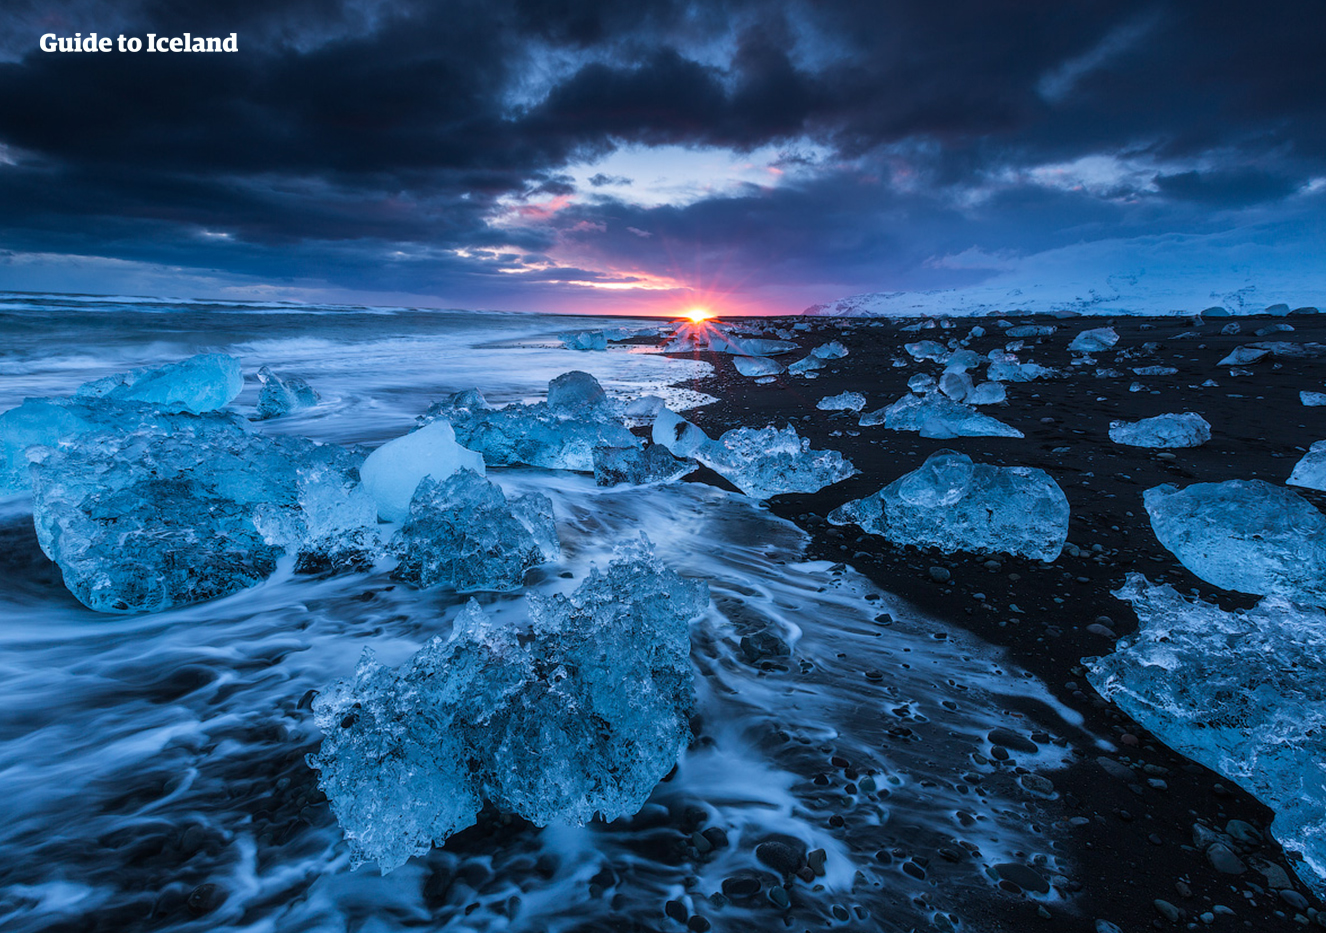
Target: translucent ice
point(1185, 430)
point(559, 434)
point(201, 383)
point(140, 520)
point(954, 504)
point(846, 401)
point(1310, 472)
point(760, 462)
point(1094, 340)
point(987, 393)
point(756, 366)
point(653, 464)
point(805, 365)
point(938, 417)
point(1312, 399)
point(281, 395)
point(1239, 692)
point(393, 471)
point(1244, 535)
point(463, 533)
point(927, 350)
point(833, 350)
point(956, 385)
point(581, 713)
point(1031, 330)
point(585, 340)
point(1010, 370)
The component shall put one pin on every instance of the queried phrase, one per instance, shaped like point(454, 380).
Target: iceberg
point(652, 464)
point(280, 396)
point(1031, 330)
point(585, 340)
point(156, 516)
point(580, 713)
point(846, 401)
point(805, 365)
point(937, 417)
point(953, 504)
point(760, 462)
point(1244, 535)
point(393, 471)
point(927, 350)
point(463, 533)
point(1185, 430)
point(1094, 340)
point(1239, 692)
point(201, 383)
point(956, 385)
point(833, 350)
point(1010, 370)
point(559, 434)
point(987, 393)
point(1310, 472)
point(756, 366)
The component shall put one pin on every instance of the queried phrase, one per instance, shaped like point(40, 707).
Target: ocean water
point(153, 767)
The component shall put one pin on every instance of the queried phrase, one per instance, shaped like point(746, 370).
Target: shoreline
point(1131, 809)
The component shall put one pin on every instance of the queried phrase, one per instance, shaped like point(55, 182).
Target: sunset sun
point(699, 314)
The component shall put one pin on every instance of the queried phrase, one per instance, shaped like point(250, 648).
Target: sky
point(642, 157)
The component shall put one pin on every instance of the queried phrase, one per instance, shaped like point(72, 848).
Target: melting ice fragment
point(582, 713)
point(653, 464)
point(282, 395)
point(1312, 399)
point(938, 417)
point(987, 393)
point(559, 434)
point(585, 340)
point(833, 350)
point(954, 504)
point(1094, 340)
point(846, 401)
point(1239, 692)
point(1185, 430)
point(756, 366)
point(393, 471)
point(154, 516)
point(1310, 472)
point(806, 365)
point(1244, 535)
point(201, 383)
point(463, 533)
point(760, 462)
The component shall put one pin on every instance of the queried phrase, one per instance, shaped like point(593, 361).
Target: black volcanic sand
point(1131, 841)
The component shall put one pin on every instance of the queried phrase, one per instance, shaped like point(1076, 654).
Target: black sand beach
point(1128, 809)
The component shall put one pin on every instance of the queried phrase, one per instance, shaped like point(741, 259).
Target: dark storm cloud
point(351, 129)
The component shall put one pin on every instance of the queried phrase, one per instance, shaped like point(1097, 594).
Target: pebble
point(779, 856)
point(1024, 877)
point(815, 860)
point(1168, 910)
point(205, 898)
point(1010, 739)
point(1223, 859)
point(940, 575)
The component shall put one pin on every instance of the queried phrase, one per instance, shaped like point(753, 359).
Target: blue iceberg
point(1185, 430)
point(140, 520)
point(937, 417)
point(201, 383)
point(281, 395)
point(463, 533)
point(953, 504)
point(559, 434)
point(1239, 692)
point(582, 713)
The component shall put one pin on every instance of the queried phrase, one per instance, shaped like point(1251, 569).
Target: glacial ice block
point(1185, 430)
point(461, 532)
point(559, 434)
point(585, 340)
point(1310, 472)
point(937, 417)
point(756, 366)
point(1094, 340)
point(1010, 370)
point(845, 401)
point(653, 464)
point(582, 712)
point(805, 365)
point(1244, 535)
point(1239, 692)
point(282, 395)
point(760, 462)
point(987, 393)
point(393, 471)
point(201, 383)
point(833, 350)
point(140, 520)
point(953, 504)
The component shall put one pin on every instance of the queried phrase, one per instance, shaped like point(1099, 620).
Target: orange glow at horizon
point(699, 314)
